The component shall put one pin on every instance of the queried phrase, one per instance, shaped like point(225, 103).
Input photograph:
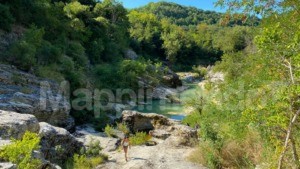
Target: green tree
point(174, 40)
point(77, 52)
point(144, 26)
point(145, 31)
point(232, 39)
point(190, 16)
point(23, 52)
point(6, 19)
point(74, 9)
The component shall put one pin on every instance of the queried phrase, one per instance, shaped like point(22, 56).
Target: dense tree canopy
point(157, 30)
point(191, 16)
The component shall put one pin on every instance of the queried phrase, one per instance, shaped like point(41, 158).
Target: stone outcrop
point(88, 135)
point(169, 94)
point(25, 93)
point(130, 54)
point(181, 135)
point(171, 79)
point(57, 144)
point(136, 121)
point(163, 93)
point(189, 77)
point(160, 127)
point(213, 76)
point(14, 125)
point(4, 142)
point(160, 134)
point(7, 165)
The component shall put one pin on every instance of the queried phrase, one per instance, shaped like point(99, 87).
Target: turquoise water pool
point(172, 110)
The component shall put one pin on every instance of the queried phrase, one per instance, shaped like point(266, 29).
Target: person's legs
point(125, 151)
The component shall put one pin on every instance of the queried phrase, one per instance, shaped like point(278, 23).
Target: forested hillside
point(191, 16)
point(60, 39)
point(186, 36)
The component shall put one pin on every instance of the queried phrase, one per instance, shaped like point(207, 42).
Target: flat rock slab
point(137, 121)
point(14, 125)
point(151, 157)
point(7, 165)
point(87, 135)
point(4, 142)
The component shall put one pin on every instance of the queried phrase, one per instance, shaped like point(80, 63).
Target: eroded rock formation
point(14, 125)
point(25, 93)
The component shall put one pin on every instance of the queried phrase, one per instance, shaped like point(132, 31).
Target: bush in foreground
point(109, 131)
point(82, 161)
point(20, 151)
point(139, 138)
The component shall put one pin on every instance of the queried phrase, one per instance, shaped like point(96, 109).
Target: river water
point(171, 110)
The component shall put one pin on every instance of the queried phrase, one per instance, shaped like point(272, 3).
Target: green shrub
point(20, 151)
point(133, 69)
point(109, 131)
point(100, 122)
point(107, 76)
point(95, 161)
point(125, 74)
point(49, 54)
point(77, 52)
point(75, 8)
point(207, 155)
point(50, 72)
point(202, 71)
point(122, 127)
point(22, 54)
point(133, 66)
point(84, 162)
point(139, 138)
point(192, 120)
point(93, 149)
point(77, 78)
point(67, 64)
point(6, 19)
point(230, 154)
point(34, 36)
point(95, 50)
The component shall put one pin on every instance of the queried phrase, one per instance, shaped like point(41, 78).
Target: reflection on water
point(171, 110)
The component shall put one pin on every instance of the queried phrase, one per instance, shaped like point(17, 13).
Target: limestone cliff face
point(22, 92)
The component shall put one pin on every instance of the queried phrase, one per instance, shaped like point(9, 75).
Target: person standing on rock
point(126, 143)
